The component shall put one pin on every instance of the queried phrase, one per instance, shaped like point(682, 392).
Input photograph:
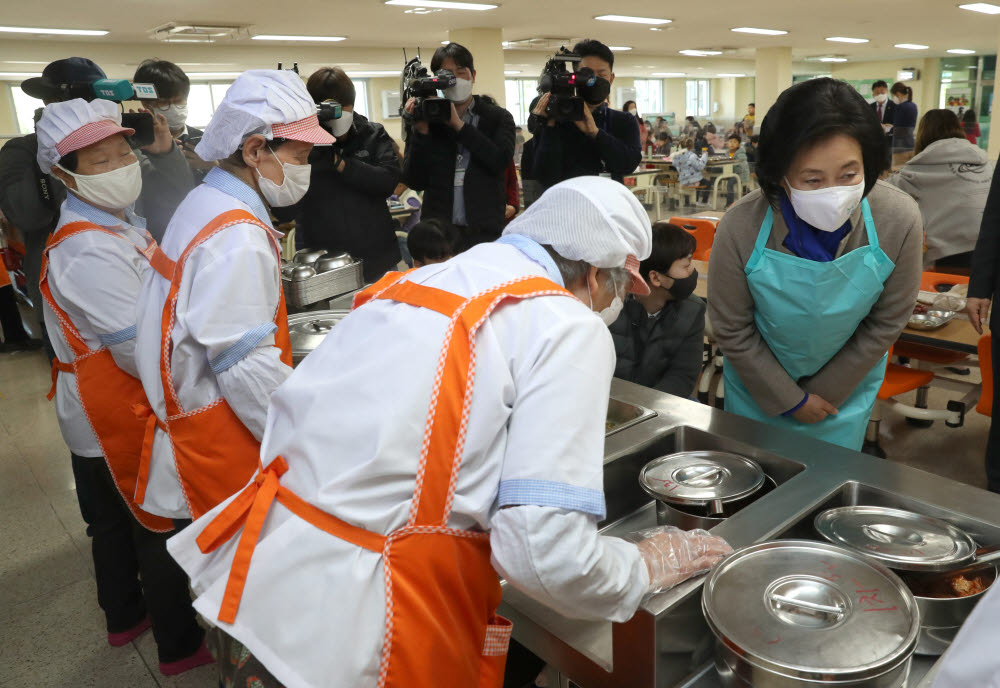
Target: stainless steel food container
point(308, 330)
point(326, 285)
point(793, 613)
point(942, 617)
point(700, 489)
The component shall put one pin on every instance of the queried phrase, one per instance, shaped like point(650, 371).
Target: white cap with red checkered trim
point(592, 219)
point(74, 124)
point(271, 102)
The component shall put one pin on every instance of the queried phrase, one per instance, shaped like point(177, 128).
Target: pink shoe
point(199, 658)
point(126, 637)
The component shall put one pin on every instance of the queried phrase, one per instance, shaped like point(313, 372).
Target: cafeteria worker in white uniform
point(213, 337)
point(450, 429)
point(813, 277)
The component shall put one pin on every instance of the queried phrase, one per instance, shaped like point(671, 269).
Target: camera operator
point(166, 184)
point(345, 207)
point(460, 165)
point(605, 141)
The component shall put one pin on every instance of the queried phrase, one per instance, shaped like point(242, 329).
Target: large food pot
point(308, 330)
point(915, 546)
point(701, 489)
point(795, 613)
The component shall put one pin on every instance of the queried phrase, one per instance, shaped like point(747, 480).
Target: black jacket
point(563, 151)
point(663, 352)
point(890, 112)
point(984, 283)
point(347, 211)
point(430, 167)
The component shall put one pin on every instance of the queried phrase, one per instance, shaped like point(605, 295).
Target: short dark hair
point(457, 52)
point(879, 84)
point(588, 47)
point(734, 136)
point(328, 83)
point(753, 105)
point(937, 125)
point(69, 161)
point(663, 136)
point(811, 111)
point(670, 243)
point(755, 138)
point(432, 240)
point(236, 157)
point(169, 80)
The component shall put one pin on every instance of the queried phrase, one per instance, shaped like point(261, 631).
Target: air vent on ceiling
point(176, 32)
point(541, 43)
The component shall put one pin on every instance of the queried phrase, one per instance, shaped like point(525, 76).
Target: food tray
point(931, 320)
point(325, 285)
point(622, 415)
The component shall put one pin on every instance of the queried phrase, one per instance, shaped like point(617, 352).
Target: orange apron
point(441, 626)
point(107, 393)
point(214, 453)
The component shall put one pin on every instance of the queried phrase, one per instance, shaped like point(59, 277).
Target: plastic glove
point(673, 555)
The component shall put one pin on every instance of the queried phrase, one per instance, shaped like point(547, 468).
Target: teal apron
point(806, 311)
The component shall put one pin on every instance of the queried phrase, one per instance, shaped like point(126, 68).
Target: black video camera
point(571, 90)
point(327, 111)
point(417, 82)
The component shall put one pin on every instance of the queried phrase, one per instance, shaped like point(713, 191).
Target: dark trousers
point(135, 574)
point(10, 317)
point(993, 445)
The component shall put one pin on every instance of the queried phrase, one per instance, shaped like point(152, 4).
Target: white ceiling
point(376, 31)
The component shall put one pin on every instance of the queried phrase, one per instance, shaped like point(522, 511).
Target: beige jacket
point(731, 307)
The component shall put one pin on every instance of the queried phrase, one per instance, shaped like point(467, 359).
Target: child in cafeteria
point(431, 241)
point(689, 167)
point(663, 142)
point(741, 167)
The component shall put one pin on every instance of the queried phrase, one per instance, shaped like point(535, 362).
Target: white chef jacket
point(223, 335)
point(95, 279)
point(972, 661)
point(350, 422)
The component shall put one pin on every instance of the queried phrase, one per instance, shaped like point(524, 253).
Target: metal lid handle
point(805, 604)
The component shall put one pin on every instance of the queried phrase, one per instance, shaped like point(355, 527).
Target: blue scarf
point(805, 241)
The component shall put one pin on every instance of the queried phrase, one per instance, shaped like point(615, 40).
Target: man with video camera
point(460, 162)
point(578, 134)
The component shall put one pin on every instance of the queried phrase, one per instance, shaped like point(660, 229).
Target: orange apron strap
point(57, 367)
point(162, 264)
point(444, 302)
point(248, 511)
point(143, 411)
point(368, 293)
point(227, 219)
point(444, 438)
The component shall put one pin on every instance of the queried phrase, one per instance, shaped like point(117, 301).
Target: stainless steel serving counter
point(666, 643)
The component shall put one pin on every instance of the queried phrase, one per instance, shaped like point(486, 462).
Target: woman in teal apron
point(813, 277)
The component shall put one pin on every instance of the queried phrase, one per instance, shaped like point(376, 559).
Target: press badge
point(459, 176)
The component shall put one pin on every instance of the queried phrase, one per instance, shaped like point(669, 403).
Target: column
point(994, 147)
point(487, 52)
point(774, 75)
point(930, 85)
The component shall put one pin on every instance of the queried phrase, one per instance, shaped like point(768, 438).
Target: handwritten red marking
point(830, 575)
point(868, 598)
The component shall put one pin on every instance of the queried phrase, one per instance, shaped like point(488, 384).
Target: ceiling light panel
point(274, 37)
point(984, 7)
point(444, 4)
point(53, 32)
point(632, 20)
point(846, 39)
point(762, 32)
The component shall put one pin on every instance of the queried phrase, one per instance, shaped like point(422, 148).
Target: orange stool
point(985, 405)
point(703, 232)
point(898, 380)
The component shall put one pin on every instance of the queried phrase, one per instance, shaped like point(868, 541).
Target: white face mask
point(881, 98)
point(610, 314)
point(340, 126)
point(116, 189)
point(897, 100)
point(291, 190)
point(827, 209)
point(460, 92)
point(176, 115)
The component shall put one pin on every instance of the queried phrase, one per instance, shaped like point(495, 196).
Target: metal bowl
point(332, 262)
point(925, 321)
point(301, 273)
point(308, 256)
point(942, 617)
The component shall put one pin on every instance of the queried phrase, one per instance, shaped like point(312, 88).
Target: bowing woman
point(814, 275)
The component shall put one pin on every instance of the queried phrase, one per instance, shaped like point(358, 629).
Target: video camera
point(327, 111)
point(570, 90)
point(417, 82)
point(117, 90)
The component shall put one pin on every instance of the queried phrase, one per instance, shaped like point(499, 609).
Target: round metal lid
point(308, 330)
point(699, 477)
point(899, 539)
point(810, 610)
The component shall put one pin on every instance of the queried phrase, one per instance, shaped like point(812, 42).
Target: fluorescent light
point(911, 46)
point(961, 51)
point(632, 20)
point(443, 4)
point(699, 53)
point(669, 74)
point(387, 72)
point(60, 32)
point(833, 59)
point(984, 7)
point(729, 76)
point(272, 37)
point(213, 75)
point(945, 81)
point(445, 42)
point(845, 39)
point(762, 32)
point(19, 75)
point(511, 72)
point(620, 48)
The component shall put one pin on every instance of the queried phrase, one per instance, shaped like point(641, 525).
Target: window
point(24, 110)
point(649, 95)
point(697, 98)
point(520, 93)
point(361, 96)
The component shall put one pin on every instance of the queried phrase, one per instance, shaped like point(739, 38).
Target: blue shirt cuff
point(797, 406)
point(549, 493)
point(118, 337)
point(242, 348)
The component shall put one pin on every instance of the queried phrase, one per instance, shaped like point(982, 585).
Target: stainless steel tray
point(622, 415)
point(931, 320)
point(325, 285)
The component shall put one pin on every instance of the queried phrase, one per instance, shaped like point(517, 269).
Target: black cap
point(61, 73)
